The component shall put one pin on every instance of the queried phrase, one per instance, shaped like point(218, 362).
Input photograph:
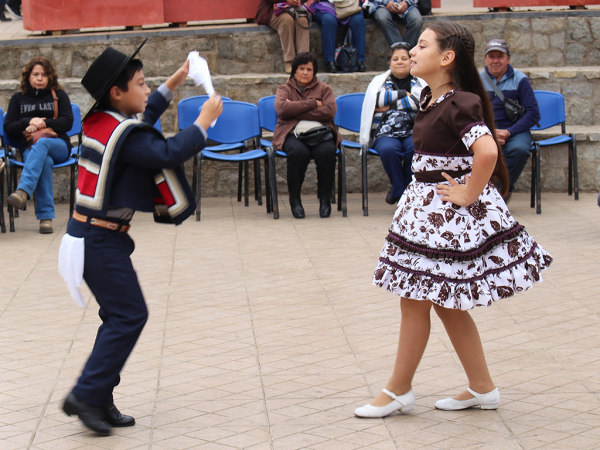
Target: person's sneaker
point(15, 10)
point(17, 199)
point(46, 226)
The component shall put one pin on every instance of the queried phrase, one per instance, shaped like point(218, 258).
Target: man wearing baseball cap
point(513, 132)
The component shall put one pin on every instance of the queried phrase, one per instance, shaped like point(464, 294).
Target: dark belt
point(435, 176)
point(113, 226)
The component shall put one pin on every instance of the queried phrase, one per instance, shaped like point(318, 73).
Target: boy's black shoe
point(3, 17)
point(115, 418)
point(92, 417)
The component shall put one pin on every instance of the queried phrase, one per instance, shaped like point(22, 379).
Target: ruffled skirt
point(457, 257)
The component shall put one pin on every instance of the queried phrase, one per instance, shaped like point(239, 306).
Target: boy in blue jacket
point(125, 166)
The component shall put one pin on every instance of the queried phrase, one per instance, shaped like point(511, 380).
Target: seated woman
point(292, 33)
point(304, 98)
point(388, 115)
point(30, 110)
point(326, 17)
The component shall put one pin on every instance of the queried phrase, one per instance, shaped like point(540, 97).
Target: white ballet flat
point(404, 403)
point(484, 401)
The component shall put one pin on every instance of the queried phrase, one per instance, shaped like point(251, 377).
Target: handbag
point(346, 8)
point(33, 136)
point(295, 11)
point(346, 56)
point(514, 110)
point(312, 133)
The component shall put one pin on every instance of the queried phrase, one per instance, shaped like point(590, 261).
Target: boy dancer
point(125, 166)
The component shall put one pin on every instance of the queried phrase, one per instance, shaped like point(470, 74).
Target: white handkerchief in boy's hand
point(70, 265)
point(200, 72)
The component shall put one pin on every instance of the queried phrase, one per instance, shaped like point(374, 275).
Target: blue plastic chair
point(187, 112)
point(552, 110)
point(76, 130)
point(238, 123)
point(268, 121)
point(349, 109)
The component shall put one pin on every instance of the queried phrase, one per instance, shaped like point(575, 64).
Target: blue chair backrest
point(157, 126)
point(349, 108)
point(238, 122)
point(188, 109)
point(267, 114)
point(552, 109)
point(76, 128)
point(8, 140)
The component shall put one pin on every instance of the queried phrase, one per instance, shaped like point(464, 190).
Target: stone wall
point(537, 39)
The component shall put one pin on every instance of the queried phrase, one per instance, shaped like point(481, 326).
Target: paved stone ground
point(266, 334)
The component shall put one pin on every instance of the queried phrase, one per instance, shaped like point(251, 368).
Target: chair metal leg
point(198, 191)
point(257, 182)
point(246, 184)
point(11, 215)
point(532, 202)
point(365, 194)
point(339, 167)
point(240, 179)
point(273, 176)
point(342, 177)
point(268, 192)
point(14, 188)
point(570, 165)
point(575, 172)
point(2, 222)
point(538, 182)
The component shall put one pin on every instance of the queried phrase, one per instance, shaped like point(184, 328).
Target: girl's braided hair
point(465, 77)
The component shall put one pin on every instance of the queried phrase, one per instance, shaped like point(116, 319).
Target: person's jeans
point(329, 26)
point(37, 173)
point(516, 152)
point(396, 157)
point(388, 23)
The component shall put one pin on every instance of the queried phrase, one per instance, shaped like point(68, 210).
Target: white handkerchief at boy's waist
point(71, 256)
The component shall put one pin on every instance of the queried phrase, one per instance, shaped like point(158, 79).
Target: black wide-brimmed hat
point(103, 72)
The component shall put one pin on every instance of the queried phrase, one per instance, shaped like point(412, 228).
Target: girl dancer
point(453, 244)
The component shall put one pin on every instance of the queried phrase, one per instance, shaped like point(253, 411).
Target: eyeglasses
point(404, 45)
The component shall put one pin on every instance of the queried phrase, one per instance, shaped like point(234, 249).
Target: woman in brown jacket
point(303, 97)
point(292, 33)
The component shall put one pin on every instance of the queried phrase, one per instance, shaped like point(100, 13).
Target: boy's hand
point(212, 108)
point(178, 78)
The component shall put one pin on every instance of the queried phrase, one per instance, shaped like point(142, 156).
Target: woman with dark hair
point(305, 103)
point(387, 119)
point(41, 104)
point(453, 244)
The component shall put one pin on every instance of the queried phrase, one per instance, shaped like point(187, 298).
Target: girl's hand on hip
point(455, 192)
